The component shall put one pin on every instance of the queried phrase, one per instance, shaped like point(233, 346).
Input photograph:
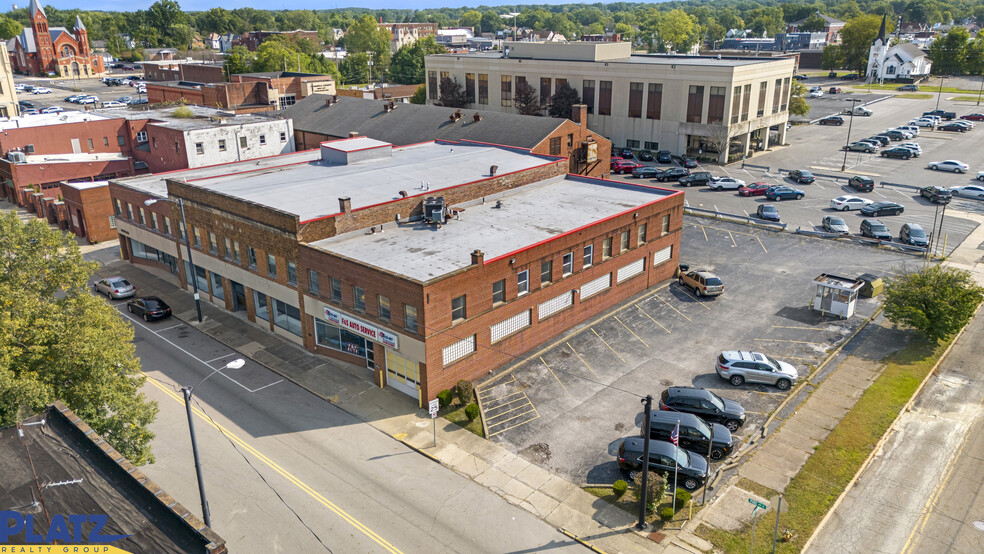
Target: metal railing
point(724, 216)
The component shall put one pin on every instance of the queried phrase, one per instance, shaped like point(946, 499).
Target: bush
point(682, 497)
point(472, 411)
point(619, 488)
point(655, 491)
point(444, 398)
point(465, 391)
point(666, 513)
point(183, 112)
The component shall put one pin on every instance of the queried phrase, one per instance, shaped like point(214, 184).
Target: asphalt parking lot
point(63, 88)
point(567, 405)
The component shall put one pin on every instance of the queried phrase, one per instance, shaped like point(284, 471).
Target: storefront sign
point(361, 328)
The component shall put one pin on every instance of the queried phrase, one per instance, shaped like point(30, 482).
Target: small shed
point(836, 295)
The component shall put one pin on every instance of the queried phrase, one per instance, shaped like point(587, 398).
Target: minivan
point(695, 435)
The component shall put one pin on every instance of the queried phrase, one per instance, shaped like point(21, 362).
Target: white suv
point(740, 367)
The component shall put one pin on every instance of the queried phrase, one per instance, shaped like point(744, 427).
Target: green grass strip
point(914, 95)
point(974, 98)
point(837, 459)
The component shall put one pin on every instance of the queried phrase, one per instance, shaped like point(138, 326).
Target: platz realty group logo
point(76, 533)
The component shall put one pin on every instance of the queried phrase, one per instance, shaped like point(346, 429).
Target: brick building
point(445, 261)
point(87, 205)
point(319, 118)
point(196, 72)
point(245, 93)
point(40, 50)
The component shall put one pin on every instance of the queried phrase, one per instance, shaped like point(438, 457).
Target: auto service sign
point(361, 328)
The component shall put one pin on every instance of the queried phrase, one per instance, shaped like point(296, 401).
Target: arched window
point(67, 51)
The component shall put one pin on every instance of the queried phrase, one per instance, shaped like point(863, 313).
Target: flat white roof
point(70, 158)
point(528, 215)
point(43, 119)
point(87, 185)
point(355, 144)
point(304, 185)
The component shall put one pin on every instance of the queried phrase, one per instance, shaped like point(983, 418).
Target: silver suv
point(740, 367)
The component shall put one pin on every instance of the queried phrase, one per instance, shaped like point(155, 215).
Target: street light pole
point(206, 515)
point(194, 278)
point(980, 91)
point(647, 413)
point(940, 93)
point(850, 123)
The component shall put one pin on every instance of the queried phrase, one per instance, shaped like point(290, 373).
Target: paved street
point(924, 491)
point(353, 488)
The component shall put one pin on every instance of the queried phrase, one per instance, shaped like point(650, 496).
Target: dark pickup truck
point(944, 114)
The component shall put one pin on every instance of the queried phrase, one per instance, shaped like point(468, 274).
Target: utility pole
point(647, 413)
point(850, 123)
point(370, 54)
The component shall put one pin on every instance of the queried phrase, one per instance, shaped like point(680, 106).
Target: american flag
point(675, 435)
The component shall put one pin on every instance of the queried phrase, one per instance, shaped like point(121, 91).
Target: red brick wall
point(92, 207)
point(58, 139)
point(577, 134)
point(167, 149)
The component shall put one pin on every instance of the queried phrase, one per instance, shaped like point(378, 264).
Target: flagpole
point(676, 464)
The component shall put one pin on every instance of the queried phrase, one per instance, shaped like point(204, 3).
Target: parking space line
point(499, 398)
point(525, 400)
point(760, 244)
point(555, 377)
point(518, 424)
point(582, 360)
point(784, 340)
point(630, 330)
point(654, 320)
point(171, 327)
point(672, 308)
point(879, 194)
point(705, 233)
point(795, 327)
point(608, 345)
point(733, 243)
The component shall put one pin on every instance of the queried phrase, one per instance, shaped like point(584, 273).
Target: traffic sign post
point(755, 510)
point(433, 406)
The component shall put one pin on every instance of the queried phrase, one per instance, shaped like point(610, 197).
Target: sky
point(201, 5)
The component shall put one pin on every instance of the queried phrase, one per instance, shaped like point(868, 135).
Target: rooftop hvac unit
point(434, 209)
point(17, 157)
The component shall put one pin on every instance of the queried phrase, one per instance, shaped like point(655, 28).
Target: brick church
point(40, 50)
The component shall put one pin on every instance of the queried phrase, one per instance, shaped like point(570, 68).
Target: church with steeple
point(40, 50)
point(903, 63)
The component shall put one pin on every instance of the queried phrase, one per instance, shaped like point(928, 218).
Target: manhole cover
point(537, 453)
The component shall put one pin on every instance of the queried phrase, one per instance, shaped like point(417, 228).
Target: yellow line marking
point(497, 377)
point(782, 340)
point(507, 412)
point(794, 327)
point(654, 320)
point(284, 473)
point(518, 424)
point(583, 361)
point(507, 395)
point(760, 244)
point(606, 344)
point(733, 243)
point(705, 233)
point(672, 308)
point(513, 401)
point(555, 376)
point(931, 503)
point(630, 330)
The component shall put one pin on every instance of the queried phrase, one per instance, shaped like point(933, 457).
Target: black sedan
point(645, 156)
point(832, 120)
point(690, 163)
point(801, 176)
point(952, 127)
point(882, 208)
point(665, 458)
point(673, 173)
point(897, 152)
point(664, 157)
point(149, 307)
point(646, 172)
point(626, 153)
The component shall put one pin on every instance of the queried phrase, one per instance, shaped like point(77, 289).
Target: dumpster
point(872, 286)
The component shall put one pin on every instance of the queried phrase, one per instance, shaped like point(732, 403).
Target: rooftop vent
point(477, 117)
point(434, 209)
point(332, 100)
point(455, 116)
point(493, 170)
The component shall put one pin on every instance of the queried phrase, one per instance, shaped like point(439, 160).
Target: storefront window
point(342, 340)
point(287, 317)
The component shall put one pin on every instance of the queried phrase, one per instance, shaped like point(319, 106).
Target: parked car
point(703, 404)
point(664, 157)
point(874, 229)
point(913, 234)
point(908, 88)
point(963, 123)
point(623, 166)
point(646, 172)
point(911, 129)
point(801, 77)
point(835, 224)
point(29, 111)
point(858, 110)
point(861, 183)
point(873, 142)
point(816, 94)
point(914, 146)
point(626, 153)
point(41, 90)
point(767, 212)
point(645, 156)
point(834, 90)
point(881, 140)
point(754, 189)
point(898, 152)
point(125, 99)
point(740, 367)
point(74, 98)
point(980, 175)
point(801, 176)
point(673, 173)
point(53, 109)
point(942, 113)
point(28, 88)
point(695, 179)
point(897, 135)
point(113, 104)
point(936, 195)
point(882, 208)
point(973, 117)
point(115, 287)
point(832, 120)
point(690, 468)
point(968, 191)
point(25, 104)
point(19, 87)
point(953, 127)
point(950, 165)
point(923, 122)
point(865, 147)
point(730, 183)
point(702, 282)
point(850, 77)
point(848, 202)
point(690, 163)
point(694, 434)
point(88, 100)
point(781, 192)
point(149, 307)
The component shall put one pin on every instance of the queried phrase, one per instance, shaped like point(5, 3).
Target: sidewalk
point(558, 502)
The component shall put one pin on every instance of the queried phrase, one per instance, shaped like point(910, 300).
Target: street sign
point(433, 406)
point(757, 503)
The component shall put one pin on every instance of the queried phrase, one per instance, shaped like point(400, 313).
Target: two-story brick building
point(426, 263)
point(245, 93)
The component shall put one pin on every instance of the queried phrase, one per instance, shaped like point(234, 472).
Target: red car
point(973, 117)
point(624, 166)
point(834, 90)
point(754, 189)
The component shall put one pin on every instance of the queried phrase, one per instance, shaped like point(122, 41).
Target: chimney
point(492, 170)
point(345, 204)
point(478, 257)
point(579, 113)
point(477, 117)
point(353, 134)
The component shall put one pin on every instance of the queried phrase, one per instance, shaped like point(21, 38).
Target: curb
point(583, 542)
point(420, 451)
point(884, 438)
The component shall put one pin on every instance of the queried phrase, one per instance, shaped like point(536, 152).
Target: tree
point(451, 94)
point(407, 67)
point(491, 22)
point(9, 28)
point(797, 99)
point(767, 21)
point(655, 489)
point(59, 342)
point(949, 52)
point(937, 301)
point(419, 95)
point(563, 101)
point(162, 19)
point(677, 30)
point(471, 18)
point(813, 24)
point(975, 56)
point(856, 38)
point(832, 57)
point(355, 68)
point(239, 60)
point(526, 99)
point(365, 36)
